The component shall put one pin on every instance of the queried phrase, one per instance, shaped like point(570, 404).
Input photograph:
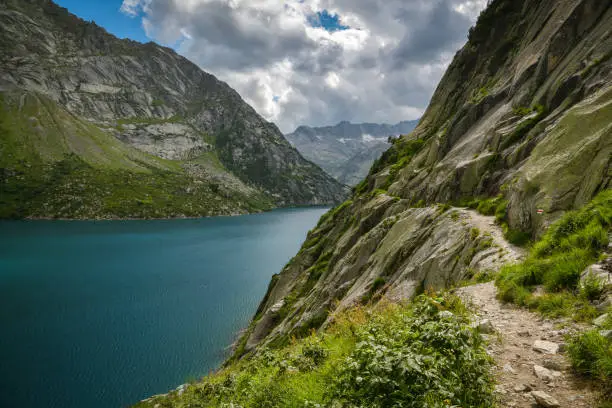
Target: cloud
point(131, 7)
point(318, 62)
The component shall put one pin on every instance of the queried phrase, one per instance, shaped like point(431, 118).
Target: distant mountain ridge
point(94, 126)
point(347, 150)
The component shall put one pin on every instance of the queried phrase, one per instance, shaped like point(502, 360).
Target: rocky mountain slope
point(97, 126)
point(347, 150)
point(520, 126)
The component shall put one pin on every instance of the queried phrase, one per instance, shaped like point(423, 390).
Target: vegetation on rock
point(557, 260)
point(420, 354)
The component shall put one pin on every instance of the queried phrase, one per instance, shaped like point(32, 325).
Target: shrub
point(484, 276)
point(373, 292)
point(474, 233)
point(591, 287)
point(416, 359)
point(591, 355)
point(516, 237)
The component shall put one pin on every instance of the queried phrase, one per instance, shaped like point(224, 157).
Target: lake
point(102, 314)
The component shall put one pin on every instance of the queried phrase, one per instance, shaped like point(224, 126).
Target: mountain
point(515, 147)
point(520, 126)
point(95, 126)
point(346, 150)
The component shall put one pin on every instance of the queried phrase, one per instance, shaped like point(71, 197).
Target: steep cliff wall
point(523, 117)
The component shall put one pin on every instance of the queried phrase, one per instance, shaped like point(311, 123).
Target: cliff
point(521, 122)
point(97, 126)
point(514, 149)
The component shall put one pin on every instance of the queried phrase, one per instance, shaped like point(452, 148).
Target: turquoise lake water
point(104, 314)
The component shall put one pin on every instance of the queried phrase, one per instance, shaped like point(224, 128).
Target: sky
point(306, 62)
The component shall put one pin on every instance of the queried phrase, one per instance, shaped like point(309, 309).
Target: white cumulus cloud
point(382, 68)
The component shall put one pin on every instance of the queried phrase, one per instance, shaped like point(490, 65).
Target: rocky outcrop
point(524, 113)
point(509, 114)
point(145, 96)
point(385, 247)
point(347, 150)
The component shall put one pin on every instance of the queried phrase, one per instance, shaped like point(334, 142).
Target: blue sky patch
point(106, 14)
point(330, 22)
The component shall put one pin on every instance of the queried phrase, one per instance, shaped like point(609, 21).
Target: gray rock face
point(152, 99)
point(347, 150)
point(410, 248)
point(478, 141)
point(172, 141)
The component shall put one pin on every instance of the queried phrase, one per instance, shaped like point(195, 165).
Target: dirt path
point(487, 225)
point(528, 350)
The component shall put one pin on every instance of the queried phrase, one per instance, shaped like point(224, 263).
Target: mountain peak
point(346, 150)
point(138, 108)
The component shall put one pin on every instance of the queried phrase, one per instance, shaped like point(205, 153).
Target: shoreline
point(178, 217)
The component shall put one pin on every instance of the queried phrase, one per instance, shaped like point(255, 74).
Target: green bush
point(387, 356)
point(375, 290)
point(416, 359)
point(516, 237)
point(497, 206)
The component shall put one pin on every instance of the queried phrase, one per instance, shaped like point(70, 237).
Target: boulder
point(604, 304)
point(606, 333)
point(552, 364)
point(597, 271)
point(545, 347)
point(485, 326)
point(599, 322)
point(545, 374)
point(545, 400)
point(522, 388)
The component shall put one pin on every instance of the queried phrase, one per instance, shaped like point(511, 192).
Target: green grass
point(54, 165)
point(71, 188)
point(558, 258)
point(497, 206)
point(591, 356)
point(389, 355)
point(334, 212)
point(479, 94)
point(556, 262)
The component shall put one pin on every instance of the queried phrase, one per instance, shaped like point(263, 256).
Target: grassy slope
point(556, 262)
point(53, 164)
point(423, 354)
